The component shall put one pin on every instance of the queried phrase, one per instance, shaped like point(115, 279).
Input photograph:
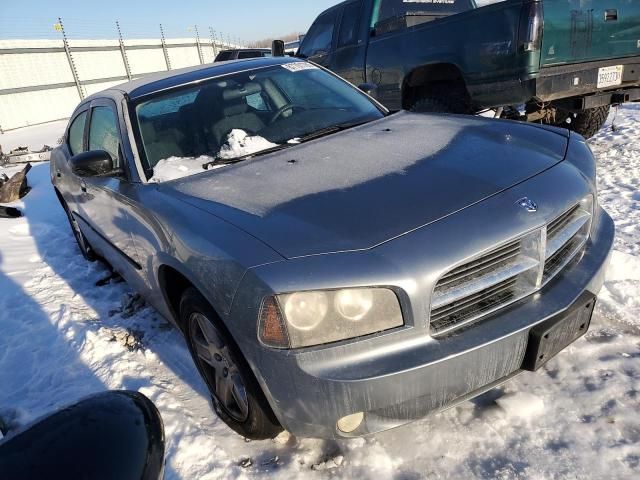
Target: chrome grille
point(510, 272)
point(566, 237)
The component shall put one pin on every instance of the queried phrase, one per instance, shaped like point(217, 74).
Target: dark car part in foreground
point(566, 62)
point(336, 270)
point(113, 435)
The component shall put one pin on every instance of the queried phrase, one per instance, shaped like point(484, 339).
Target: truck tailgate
point(590, 30)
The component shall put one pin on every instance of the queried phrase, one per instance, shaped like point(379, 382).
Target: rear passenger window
point(242, 55)
point(224, 56)
point(103, 132)
point(349, 25)
point(76, 134)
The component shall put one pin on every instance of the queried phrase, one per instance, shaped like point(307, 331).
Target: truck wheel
point(237, 398)
point(442, 102)
point(588, 122)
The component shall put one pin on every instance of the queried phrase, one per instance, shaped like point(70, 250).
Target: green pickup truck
point(560, 62)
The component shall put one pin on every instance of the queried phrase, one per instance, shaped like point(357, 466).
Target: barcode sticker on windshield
point(299, 66)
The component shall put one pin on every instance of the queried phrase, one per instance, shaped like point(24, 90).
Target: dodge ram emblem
point(528, 204)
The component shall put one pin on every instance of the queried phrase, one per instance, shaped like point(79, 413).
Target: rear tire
point(237, 398)
point(588, 122)
point(442, 101)
point(83, 244)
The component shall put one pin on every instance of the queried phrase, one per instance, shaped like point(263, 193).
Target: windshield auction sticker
point(299, 66)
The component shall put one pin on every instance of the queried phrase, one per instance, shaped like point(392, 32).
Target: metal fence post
point(123, 51)
point(212, 35)
point(198, 45)
point(164, 48)
point(72, 65)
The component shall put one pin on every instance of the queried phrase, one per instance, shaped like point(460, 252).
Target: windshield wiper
point(229, 161)
point(323, 132)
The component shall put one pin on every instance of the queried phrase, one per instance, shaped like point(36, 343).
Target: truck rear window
point(395, 14)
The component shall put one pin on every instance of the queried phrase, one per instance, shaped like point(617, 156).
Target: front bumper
point(394, 385)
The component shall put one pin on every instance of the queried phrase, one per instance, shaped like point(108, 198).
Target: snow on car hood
point(356, 189)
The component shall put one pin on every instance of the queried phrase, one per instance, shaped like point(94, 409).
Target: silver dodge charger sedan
point(336, 270)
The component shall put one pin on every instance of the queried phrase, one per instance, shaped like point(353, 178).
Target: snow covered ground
point(63, 338)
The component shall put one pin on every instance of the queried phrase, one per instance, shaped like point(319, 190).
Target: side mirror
point(277, 48)
point(92, 164)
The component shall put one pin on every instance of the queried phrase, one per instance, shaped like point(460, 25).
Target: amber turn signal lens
point(272, 331)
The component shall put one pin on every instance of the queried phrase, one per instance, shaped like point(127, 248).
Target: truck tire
point(588, 122)
point(442, 102)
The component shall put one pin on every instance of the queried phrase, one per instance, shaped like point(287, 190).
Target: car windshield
point(241, 115)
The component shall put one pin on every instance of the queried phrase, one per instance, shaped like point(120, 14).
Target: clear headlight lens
point(587, 205)
point(307, 310)
point(304, 319)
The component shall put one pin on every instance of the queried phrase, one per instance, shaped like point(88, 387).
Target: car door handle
point(83, 187)
point(611, 15)
point(58, 174)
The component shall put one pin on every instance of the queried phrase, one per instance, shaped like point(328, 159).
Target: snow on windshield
point(238, 144)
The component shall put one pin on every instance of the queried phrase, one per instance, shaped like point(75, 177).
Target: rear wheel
point(442, 100)
point(586, 122)
point(81, 240)
point(237, 397)
point(589, 122)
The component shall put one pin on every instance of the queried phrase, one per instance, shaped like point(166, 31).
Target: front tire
point(237, 398)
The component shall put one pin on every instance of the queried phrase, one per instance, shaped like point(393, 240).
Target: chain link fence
point(43, 79)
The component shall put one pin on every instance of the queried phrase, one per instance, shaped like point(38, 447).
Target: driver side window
point(320, 37)
point(104, 134)
point(76, 134)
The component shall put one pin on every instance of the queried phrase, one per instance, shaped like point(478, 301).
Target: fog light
point(350, 423)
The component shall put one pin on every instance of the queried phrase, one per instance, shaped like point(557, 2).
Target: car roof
point(156, 82)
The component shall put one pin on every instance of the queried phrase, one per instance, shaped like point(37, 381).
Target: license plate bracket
point(551, 337)
point(610, 76)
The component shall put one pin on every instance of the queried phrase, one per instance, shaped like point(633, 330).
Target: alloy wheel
point(218, 367)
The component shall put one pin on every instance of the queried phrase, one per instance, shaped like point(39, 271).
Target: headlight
point(588, 206)
point(304, 319)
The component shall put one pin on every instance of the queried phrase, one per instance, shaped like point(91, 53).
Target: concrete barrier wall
point(37, 82)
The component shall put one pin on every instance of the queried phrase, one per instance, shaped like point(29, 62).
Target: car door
point(349, 56)
point(103, 204)
point(318, 45)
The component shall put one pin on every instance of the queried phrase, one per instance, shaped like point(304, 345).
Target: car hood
point(359, 188)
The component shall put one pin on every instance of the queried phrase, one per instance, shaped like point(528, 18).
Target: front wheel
point(237, 397)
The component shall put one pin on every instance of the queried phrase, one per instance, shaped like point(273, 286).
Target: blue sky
point(246, 19)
